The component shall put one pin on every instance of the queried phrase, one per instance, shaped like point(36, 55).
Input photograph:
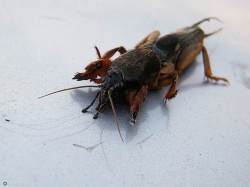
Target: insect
point(155, 62)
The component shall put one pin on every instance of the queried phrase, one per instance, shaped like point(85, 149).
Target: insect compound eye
point(118, 86)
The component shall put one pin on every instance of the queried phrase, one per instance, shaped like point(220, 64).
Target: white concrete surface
point(201, 138)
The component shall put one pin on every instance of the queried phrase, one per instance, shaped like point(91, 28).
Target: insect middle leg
point(171, 80)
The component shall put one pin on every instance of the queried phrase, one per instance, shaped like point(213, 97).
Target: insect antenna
point(113, 108)
point(69, 89)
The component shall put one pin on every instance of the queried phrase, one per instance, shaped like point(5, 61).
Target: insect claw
point(132, 121)
point(85, 110)
point(96, 115)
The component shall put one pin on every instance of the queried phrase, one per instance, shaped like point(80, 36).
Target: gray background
point(201, 138)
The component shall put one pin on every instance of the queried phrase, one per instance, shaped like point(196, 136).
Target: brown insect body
point(140, 66)
point(155, 63)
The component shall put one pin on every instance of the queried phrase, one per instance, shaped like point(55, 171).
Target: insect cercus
point(154, 63)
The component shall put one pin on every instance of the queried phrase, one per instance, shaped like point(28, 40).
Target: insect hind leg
point(151, 37)
point(207, 66)
point(206, 19)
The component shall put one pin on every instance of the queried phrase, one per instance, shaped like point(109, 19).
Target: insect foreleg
point(111, 52)
point(94, 69)
point(172, 92)
point(99, 67)
point(91, 104)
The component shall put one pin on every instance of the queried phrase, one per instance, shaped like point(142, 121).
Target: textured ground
point(201, 138)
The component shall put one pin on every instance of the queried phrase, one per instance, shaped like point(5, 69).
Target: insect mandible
point(155, 62)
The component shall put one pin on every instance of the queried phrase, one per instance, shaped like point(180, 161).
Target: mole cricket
point(155, 62)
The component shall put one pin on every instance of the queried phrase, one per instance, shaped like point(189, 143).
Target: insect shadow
point(107, 121)
point(189, 70)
